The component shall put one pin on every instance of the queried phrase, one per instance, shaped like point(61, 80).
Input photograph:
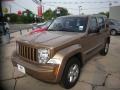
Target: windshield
point(47, 24)
point(40, 24)
point(69, 24)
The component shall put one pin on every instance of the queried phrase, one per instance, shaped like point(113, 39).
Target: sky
point(86, 6)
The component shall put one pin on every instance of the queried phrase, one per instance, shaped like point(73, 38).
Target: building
point(115, 12)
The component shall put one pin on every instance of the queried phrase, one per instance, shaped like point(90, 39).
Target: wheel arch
point(113, 30)
point(78, 55)
point(73, 51)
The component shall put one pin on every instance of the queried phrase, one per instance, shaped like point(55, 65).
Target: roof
point(96, 15)
point(75, 16)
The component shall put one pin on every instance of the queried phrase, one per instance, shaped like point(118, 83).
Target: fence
point(16, 32)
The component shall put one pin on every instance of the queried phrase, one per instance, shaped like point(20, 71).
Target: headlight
point(43, 55)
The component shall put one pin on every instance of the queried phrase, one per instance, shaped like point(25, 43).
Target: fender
point(64, 56)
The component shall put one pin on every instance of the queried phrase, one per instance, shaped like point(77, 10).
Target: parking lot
point(100, 73)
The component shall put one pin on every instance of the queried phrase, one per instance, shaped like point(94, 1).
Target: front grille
point(27, 52)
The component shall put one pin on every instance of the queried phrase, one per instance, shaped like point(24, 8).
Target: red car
point(44, 27)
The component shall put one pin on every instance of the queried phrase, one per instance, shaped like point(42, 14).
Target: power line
point(81, 8)
point(75, 2)
point(36, 1)
point(80, 2)
point(21, 6)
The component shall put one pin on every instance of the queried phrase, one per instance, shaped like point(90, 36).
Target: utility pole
point(40, 10)
point(10, 8)
point(40, 2)
point(79, 9)
point(110, 4)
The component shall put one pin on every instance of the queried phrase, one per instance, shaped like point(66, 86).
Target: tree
point(13, 17)
point(48, 14)
point(62, 12)
point(105, 13)
point(27, 16)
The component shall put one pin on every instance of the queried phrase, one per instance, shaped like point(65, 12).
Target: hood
point(50, 38)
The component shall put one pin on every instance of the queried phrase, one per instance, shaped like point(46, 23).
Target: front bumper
point(43, 72)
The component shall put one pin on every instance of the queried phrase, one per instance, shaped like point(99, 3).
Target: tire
point(113, 32)
point(104, 51)
point(71, 73)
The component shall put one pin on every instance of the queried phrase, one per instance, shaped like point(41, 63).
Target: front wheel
point(113, 32)
point(71, 73)
point(104, 51)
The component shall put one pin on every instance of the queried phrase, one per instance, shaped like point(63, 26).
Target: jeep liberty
point(57, 55)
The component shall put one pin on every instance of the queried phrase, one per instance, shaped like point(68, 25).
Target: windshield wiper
point(63, 29)
point(67, 30)
point(55, 30)
point(51, 30)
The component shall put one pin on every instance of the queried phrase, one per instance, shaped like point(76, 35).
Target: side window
point(111, 23)
point(93, 24)
point(70, 23)
point(101, 22)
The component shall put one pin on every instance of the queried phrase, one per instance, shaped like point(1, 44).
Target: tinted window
point(47, 23)
point(111, 23)
point(101, 22)
point(69, 24)
point(93, 24)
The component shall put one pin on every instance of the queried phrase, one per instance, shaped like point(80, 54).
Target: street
point(100, 73)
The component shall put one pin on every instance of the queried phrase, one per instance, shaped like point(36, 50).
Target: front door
point(90, 44)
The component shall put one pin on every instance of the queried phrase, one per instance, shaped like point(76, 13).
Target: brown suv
point(58, 54)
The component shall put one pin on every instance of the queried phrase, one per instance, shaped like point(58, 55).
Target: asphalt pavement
point(100, 73)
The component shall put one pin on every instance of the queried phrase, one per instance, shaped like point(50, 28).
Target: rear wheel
point(104, 51)
point(71, 73)
point(113, 32)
